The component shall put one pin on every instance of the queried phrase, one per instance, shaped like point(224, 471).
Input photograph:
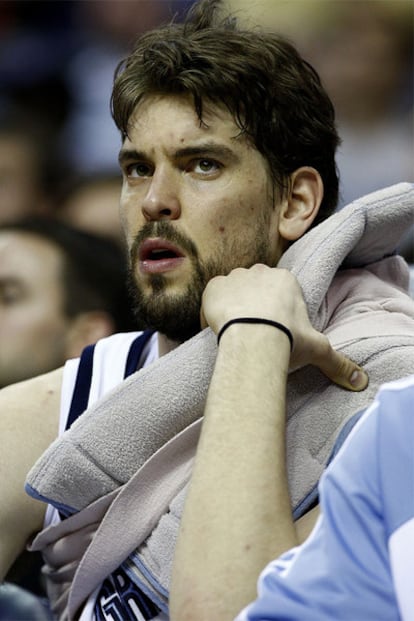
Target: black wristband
point(268, 322)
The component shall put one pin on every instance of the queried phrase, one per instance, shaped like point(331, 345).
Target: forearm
point(237, 515)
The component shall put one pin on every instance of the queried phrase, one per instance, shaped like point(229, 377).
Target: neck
point(165, 345)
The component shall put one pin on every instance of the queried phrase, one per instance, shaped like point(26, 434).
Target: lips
point(159, 255)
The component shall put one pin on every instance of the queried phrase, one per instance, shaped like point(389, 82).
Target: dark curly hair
point(274, 95)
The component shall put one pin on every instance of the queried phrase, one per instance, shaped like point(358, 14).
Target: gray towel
point(103, 449)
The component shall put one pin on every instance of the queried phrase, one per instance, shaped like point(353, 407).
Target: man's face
point(197, 201)
point(32, 324)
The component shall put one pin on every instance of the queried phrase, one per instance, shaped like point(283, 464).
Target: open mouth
point(159, 255)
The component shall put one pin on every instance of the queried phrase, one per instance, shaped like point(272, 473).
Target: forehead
point(173, 120)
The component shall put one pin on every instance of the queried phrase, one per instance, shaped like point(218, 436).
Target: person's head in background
point(91, 203)
point(28, 167)
point(60, 290)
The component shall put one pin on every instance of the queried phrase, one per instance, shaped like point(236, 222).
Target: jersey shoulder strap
point(80, 396)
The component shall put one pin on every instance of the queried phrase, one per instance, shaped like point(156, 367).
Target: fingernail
point(358, 379)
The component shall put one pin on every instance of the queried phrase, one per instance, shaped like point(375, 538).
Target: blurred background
point(57, 60)
point(59, 146)
point(363, 51)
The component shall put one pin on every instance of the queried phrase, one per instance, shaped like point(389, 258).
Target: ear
point(87, 328)
point(302, 204)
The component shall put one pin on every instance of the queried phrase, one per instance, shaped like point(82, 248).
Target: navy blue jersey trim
point(82, 387)
point(135, 352)
point(120, 598)
point(80, 395)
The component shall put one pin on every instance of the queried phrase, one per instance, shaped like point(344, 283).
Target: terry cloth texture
point(117, 454)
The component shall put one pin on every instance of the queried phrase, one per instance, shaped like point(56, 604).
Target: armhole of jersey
point(82, 387)
point(135, 352)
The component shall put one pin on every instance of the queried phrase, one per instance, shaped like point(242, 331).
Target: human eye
point(205, 166)
point(138, 170)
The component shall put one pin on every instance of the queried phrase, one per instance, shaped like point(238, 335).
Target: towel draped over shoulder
point(123, 467)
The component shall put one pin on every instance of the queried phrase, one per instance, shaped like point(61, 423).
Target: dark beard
point(178, 316)
point(175, 316)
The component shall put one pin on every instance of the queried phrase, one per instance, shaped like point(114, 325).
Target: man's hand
point(273, 293)
point(238, 512)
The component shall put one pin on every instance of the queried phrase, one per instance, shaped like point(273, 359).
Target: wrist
point(256, 321)
point(269, 348)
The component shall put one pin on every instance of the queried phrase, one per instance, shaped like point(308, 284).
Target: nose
point(161, 202)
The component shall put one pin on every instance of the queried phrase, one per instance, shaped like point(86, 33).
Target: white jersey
point(102, 367)
point(358, 564)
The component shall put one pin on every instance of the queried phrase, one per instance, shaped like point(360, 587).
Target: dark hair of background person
point(17, 123)
point(90, 202)
point(94, 269)
point(30, 169)
point(275, 96)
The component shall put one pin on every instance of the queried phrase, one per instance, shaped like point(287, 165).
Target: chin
point(176, 316)
point(171, 303)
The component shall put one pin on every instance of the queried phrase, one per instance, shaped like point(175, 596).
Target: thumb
point(343, 371)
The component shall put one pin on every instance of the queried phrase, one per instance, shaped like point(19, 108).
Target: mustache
point(165, 230)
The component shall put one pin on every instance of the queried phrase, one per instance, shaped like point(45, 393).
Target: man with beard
point(228, 143)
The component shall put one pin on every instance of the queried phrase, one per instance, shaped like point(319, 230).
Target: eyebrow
point(207, 148)
point(126, 155)
point(210, 148)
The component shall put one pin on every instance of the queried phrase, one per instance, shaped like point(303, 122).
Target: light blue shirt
point(358, 563)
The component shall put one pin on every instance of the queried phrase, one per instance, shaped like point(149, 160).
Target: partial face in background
point(33, 327)
point(197, 201)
